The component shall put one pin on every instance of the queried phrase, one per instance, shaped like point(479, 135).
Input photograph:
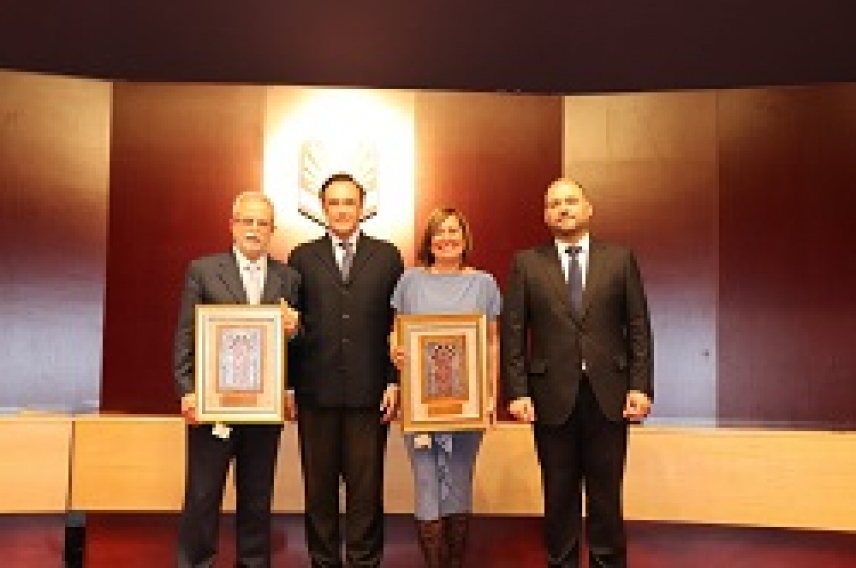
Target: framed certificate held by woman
point(444, 381)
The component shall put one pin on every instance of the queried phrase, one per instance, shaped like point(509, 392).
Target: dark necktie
point(575, 277)
point(347, 259)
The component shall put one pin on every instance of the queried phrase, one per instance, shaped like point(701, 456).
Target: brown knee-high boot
point(432, 542)
point(457, 527)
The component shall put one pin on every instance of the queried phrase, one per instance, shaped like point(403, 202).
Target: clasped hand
point(290, 318)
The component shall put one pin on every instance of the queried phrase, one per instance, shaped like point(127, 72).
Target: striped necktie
point(347, 259)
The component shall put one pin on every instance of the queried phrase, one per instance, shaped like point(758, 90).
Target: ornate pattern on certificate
point(445, 376)
point(240, 359)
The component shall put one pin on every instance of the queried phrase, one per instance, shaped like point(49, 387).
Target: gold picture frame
point(240, 364)
point(444, 383)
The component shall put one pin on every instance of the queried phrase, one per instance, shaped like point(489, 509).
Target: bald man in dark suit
point(577, 363)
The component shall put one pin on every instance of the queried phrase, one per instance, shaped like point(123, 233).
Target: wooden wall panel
point(54, 160)
point(36, 452)
point(666, 468)
point(180, 153)
point(787, 275)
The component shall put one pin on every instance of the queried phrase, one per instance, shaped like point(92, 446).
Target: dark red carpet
point(146, 541)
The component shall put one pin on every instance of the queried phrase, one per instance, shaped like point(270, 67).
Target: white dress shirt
point(339, 250)
point(245, 266)
point(583, 256)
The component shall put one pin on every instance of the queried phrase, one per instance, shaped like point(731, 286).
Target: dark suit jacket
point(341, 358)
point(544, 340)
point(216, 279)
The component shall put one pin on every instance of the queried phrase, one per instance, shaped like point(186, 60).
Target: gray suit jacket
point(215, 279)
point(545, 341)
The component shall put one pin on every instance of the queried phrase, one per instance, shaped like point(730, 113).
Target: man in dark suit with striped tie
point(577, 363)
point(246, 274)
point(346, 385)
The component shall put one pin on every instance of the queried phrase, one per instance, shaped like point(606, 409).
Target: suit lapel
point(559, 283)
point(556, 278)
point(323, 250)
point(273, 285)
point(594, 273)
point(365, 250)
point(231, 278)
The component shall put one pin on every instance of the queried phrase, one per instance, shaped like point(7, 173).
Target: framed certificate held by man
point(444, 379)
point(240, 366)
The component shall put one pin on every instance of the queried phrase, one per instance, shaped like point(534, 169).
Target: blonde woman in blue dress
point(445, 283)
